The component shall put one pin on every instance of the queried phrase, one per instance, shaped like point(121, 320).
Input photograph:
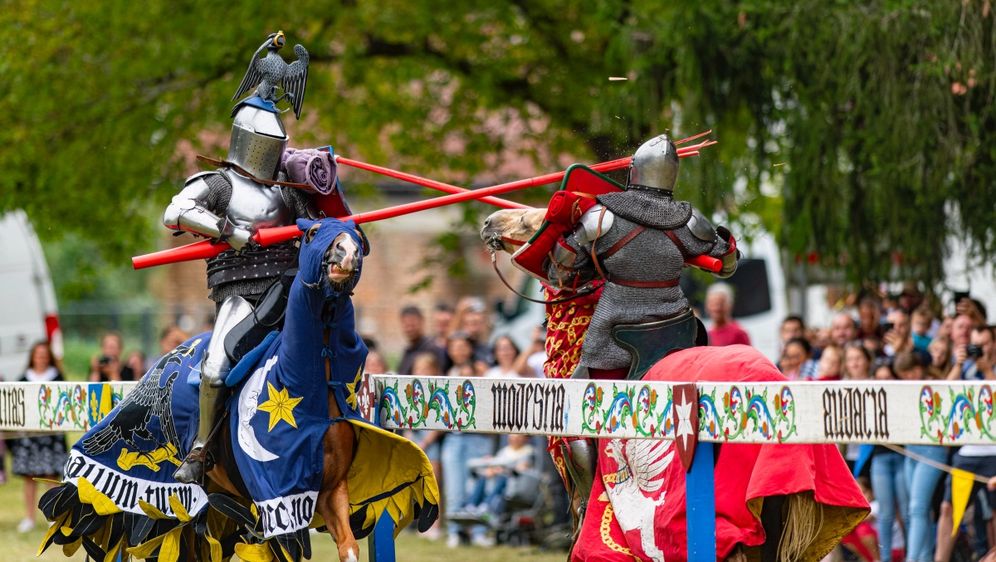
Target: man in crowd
point(842, 329)
point(974, 360)
point(793, 327)
point(719, 307)
point(413, 328)
point(442, 324)
point(472, 320)
point(869, 318)
point(961, 337)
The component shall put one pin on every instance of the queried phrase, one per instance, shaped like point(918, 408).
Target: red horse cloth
point(635, 513)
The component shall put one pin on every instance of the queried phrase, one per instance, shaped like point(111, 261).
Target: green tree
point(851, 128)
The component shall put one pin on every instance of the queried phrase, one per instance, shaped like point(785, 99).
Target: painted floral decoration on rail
point(747, 412)
point(80, 406)
point(968, 415)
point(429, 406)
point(635, 406)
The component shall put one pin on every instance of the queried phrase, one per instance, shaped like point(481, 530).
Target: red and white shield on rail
point(685, 417)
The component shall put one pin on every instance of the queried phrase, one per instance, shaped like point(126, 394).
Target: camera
point(973, 351)
point(888, 326)
point(104, 361)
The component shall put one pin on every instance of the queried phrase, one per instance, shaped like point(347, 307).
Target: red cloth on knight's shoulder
point(744, 472)
point(728, 334)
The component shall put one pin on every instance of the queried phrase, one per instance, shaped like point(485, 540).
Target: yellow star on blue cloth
point(280, 406)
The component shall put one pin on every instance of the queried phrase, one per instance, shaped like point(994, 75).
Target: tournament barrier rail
point(893, 412)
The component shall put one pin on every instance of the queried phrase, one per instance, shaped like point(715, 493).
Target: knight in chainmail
point(246, 193)
point(638, 241)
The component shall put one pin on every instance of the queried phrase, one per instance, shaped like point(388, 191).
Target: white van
point(28, 310)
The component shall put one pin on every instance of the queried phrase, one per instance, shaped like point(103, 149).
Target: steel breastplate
point(256, 206)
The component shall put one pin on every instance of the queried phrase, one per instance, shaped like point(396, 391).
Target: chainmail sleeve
point(299, 202)
point(219, 194)
point(717, 247)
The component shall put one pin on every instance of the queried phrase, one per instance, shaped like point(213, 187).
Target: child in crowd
point(830, 364)
point(487, 500)
point(921, 322)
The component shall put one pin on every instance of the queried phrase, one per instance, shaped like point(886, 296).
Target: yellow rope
point(930, 462)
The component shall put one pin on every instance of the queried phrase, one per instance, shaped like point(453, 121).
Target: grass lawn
point(16, 547)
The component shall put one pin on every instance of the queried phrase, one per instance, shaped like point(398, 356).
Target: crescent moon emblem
point(248, 400)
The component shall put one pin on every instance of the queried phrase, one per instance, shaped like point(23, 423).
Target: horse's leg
point(219, 472)
point(333, 500)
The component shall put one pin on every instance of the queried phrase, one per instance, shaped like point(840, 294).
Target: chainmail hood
point(652, 208)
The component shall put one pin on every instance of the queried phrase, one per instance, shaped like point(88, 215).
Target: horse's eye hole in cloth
point(310, 234)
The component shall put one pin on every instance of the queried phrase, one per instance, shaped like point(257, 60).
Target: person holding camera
point(108, 366)
point(969, 344)
point(979, 355)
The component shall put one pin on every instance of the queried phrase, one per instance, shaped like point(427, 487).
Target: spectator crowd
point(903, 338)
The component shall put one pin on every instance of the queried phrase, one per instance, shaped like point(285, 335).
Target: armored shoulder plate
point(201, 176)
point(193, 207)
point(594, 223)
point(701, 227)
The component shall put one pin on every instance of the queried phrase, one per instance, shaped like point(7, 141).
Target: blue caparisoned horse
point(293, 452)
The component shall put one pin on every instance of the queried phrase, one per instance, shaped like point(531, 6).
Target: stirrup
point(198, 462)
point(577, 520)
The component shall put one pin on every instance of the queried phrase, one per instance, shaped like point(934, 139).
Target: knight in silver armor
point(637, 240)
point(229, 205)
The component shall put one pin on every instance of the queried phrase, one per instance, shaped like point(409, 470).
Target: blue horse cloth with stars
point(280, 412)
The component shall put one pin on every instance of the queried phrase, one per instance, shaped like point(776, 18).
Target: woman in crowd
point(460, 448)
point(921, 478)
point(796, 362)
point(108, 366)
point(506, 355)
point(43, 456)
point(857, 362)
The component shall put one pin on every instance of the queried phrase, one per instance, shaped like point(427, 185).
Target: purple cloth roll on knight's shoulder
point(310, 166)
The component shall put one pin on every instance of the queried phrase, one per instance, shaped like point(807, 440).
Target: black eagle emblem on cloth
point(130, 419)
point(271, 71)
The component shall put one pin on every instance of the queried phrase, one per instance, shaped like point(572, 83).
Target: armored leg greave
point(213, 392)
point(581, 457)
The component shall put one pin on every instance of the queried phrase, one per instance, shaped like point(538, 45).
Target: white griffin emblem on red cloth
point(637, 492)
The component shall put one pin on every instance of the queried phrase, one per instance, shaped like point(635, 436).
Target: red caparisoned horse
point(777, 502)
